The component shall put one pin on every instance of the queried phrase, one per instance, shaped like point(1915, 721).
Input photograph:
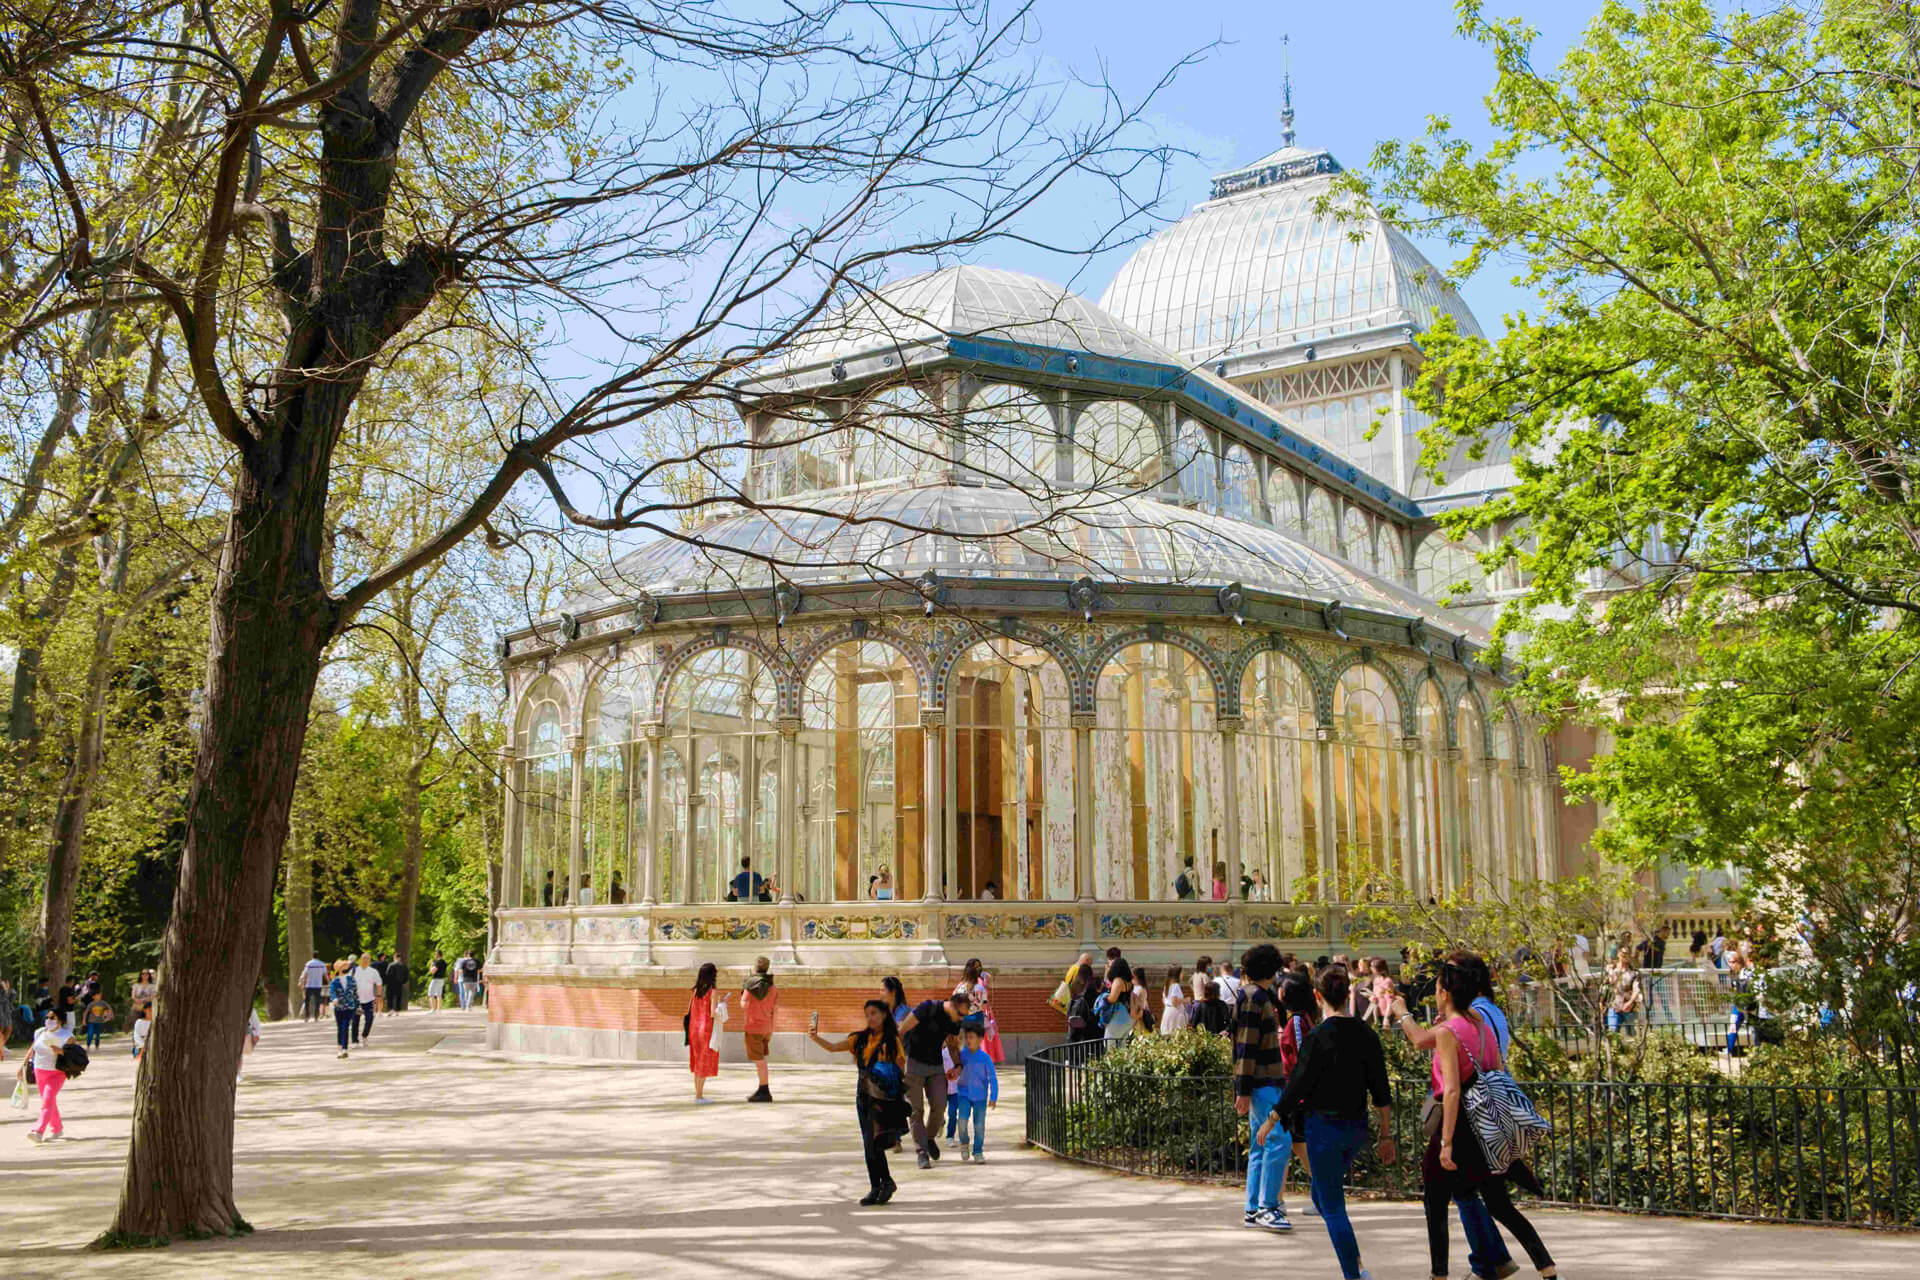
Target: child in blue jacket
point(977, 1092)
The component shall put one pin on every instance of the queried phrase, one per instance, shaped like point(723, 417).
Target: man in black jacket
point(397, 978)
point(1341, 1067)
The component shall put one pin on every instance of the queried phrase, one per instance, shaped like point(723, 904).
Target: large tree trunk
point(76, 797)
point(298, 898)
point(410, 872)
point(271, 621)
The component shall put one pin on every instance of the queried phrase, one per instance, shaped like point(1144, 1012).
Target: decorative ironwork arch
point(1468, 689)
point(1236, 670)
point(854, 632)
point(1019, 632)
point(1087, 679)
point(1347, 662)
point(1431, 676)
point(676, 657)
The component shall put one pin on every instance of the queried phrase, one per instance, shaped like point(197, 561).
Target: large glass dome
point(895, 534)
point(1258, 268)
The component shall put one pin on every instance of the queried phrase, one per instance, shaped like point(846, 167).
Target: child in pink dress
point(1382, 994)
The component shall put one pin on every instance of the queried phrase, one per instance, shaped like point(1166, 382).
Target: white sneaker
point(966, 1156)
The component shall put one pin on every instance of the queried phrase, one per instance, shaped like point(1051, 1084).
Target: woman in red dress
point(702, 1058)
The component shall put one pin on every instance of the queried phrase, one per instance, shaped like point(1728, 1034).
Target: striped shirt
point(1256, 1042)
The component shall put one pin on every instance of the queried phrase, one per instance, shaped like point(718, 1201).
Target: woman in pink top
point(1454, 1168)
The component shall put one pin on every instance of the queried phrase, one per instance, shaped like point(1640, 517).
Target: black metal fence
point(1813, 1154)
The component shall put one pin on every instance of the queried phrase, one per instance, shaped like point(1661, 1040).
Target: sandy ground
point(423, 1156)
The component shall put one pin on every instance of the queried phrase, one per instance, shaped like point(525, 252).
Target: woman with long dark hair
point(1454, 1167)
point(703, 1059)
point(878, 1100)
point(896, 999)
point(1299, 1015)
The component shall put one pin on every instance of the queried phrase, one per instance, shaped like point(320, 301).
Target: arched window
point(1357, 538)
point(1444, 570)
point(1323, 532)
point(1115, 444)
point(545, 768)
point(1240, 491)
point(1469, 780)
point(1013, 773)
point(862, 745)
point(1369, 846)
point(1432, 876)
point(1389, 563)
point(1193, 462)
point(1009, 437)
point(720, 722)
point(1279, 795)
point(1156, 775)
point(613, 804)
point(1283, 501)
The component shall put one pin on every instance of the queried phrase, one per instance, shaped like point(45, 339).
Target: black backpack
point(72, 1061)
point(1183, 887)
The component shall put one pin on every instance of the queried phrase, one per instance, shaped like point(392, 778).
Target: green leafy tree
point(1712, 419)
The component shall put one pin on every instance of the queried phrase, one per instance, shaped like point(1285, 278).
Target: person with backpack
point(42, 1070)
point(1081, 1022)
point(468, 970)
point(1299, 1015)
point(344, 994)
point(1183, 889)
point(879, 1102)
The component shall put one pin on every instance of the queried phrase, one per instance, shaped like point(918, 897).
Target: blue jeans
point(1486, 1248)
point(1733, 1030)
point(93, 1035)
point(344, 1021)
point(1266, 1165)
point(1332, 1143)
point(1617, 1021)
point(971, 1114)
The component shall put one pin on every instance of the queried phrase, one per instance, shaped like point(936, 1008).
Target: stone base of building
point(791, 1047)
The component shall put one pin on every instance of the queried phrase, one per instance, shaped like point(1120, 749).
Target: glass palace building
point(1038, 612)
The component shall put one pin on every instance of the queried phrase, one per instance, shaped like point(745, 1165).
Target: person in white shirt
point(586, 889)
point(48, 1041)
point(367, 985)
point(142, 1028)
point(313, 986)
point(248, 1043)
point(1229, 984)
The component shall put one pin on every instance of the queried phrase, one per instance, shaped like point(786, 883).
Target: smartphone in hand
point(813, 1022)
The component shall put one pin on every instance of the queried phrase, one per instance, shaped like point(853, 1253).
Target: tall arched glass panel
point(720, 722)
point(1157, 786)
point(546, 795)
point(1367, 805)
point(1279, 795)
point(1013, 769)
point(613, 806)
point(863, 751)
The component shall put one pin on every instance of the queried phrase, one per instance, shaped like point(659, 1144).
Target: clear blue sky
point(1362, 72)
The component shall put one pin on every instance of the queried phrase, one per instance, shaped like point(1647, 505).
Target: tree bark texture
point(271, 621)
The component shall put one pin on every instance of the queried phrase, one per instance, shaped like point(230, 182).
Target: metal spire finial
point(1286, 93)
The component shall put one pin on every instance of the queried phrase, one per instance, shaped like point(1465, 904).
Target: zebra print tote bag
point(1503, 1117)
